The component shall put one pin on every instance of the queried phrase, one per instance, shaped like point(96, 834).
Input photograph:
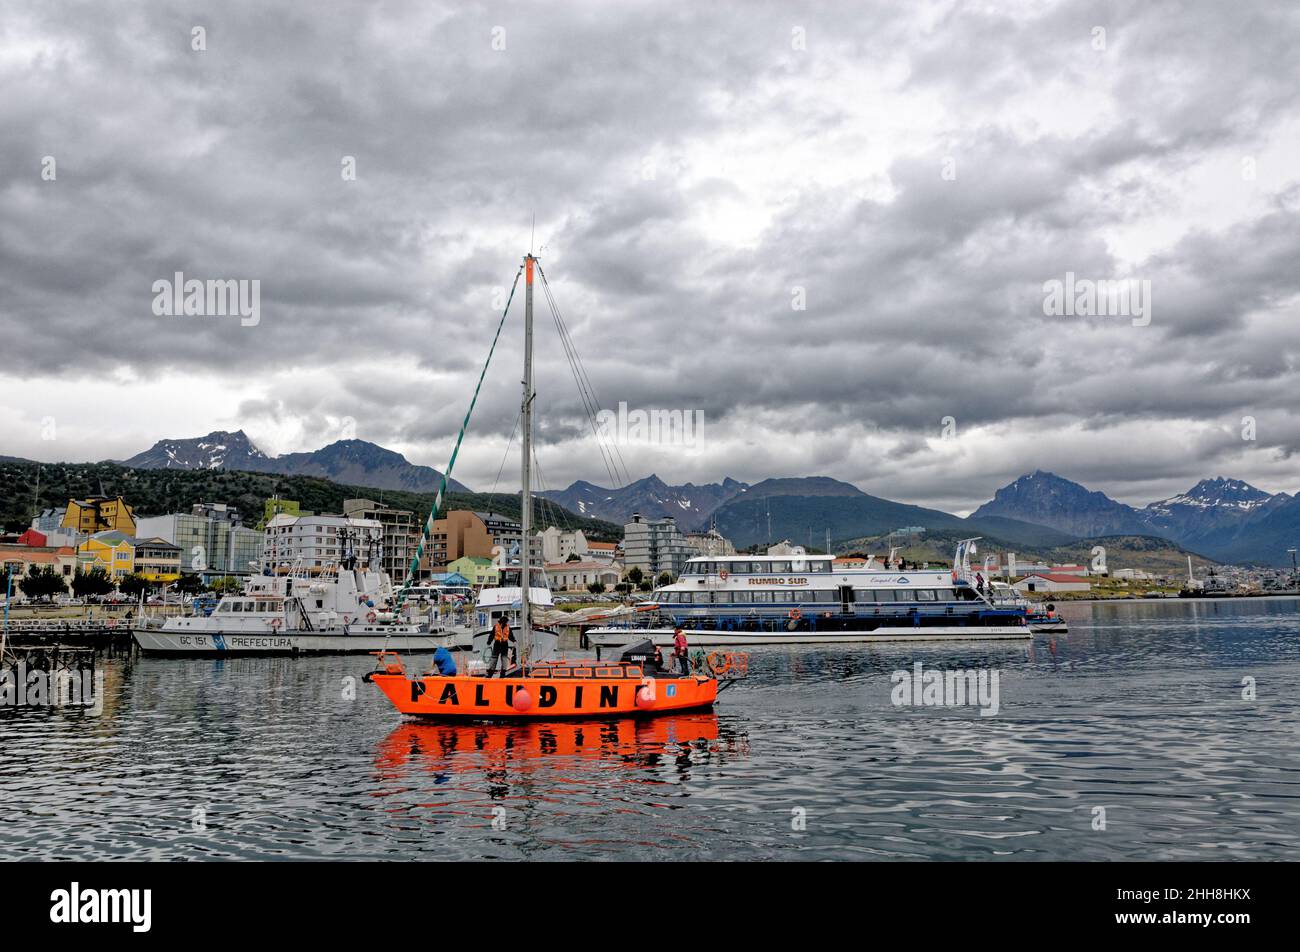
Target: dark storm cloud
point(640, 135)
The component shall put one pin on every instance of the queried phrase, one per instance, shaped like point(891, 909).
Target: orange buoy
point(521, 700)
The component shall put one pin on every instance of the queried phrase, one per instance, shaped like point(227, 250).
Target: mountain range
point(1225, 519)
point(353, 462)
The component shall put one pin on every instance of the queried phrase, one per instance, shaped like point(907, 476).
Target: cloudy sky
point(826, 228)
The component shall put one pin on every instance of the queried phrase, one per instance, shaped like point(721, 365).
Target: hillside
point(1122, 552)
point(159, 491)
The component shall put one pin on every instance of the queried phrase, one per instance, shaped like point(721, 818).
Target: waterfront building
point(602, 551)
point(401, 533)
point(113, 551)
point(1050, 582)
point(99, 514)
point(480, 534)
point(157, 560)
point(710, 542)
point(211, 538)
point(577, 576)
point(49, 524)
point(654, 546)
point(275, 505)
point(320, 541)
point(556, 545)
point(18, 560)
point(476, 569)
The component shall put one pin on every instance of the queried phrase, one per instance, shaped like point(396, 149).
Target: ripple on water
point(1138, 711)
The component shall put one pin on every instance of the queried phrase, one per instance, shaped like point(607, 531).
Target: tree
point(623, 587)
point(596, 588)
point(226, 585)
point(189, 584)
point(634, 575)
point(133, 585)
point(94, 582)
point(665, 578)
point(42, 582)
point(646, 586)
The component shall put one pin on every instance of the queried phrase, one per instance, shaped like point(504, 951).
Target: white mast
point(526, 444)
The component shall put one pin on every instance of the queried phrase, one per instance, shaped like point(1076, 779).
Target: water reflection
point(445, 749)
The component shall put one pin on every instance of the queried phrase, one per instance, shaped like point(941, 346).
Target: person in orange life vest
point(679, 651)
point(500, 640)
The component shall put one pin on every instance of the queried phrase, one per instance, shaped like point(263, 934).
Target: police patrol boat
point(342, 609)
point(800, 598)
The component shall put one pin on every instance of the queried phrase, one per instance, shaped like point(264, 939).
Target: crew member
point(501, 637)
point(445, 663)
point(680, 653)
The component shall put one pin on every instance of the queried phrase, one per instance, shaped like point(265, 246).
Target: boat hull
point(621, 637)
point(469, 698)
point(193, 642)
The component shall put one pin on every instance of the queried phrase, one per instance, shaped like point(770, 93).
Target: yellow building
point(157, 560)
point(99, 514)
point(113, 551)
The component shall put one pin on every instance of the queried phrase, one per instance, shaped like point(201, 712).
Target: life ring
point(795, 614)
point(723, 575)
point(719, 663)
point(371, 617)
point(276, 623)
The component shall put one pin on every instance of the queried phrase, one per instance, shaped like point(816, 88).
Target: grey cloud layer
point(924, 294)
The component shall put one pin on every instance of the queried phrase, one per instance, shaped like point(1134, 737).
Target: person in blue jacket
point(446, 665)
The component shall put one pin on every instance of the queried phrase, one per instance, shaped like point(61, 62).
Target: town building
point(157, 560)
point(18, 560)
point(655, 546)
point(480, 534)
point(112, 550)
point(603, 551)
point(211, 537)
point(556, 545)
point(318, 542)
point(1050, 582)
point(401, 533)
point(710, 542)
point(478, 570)
point(99, 514)
point(275, 505)
point(577, 576)
point(49, 524)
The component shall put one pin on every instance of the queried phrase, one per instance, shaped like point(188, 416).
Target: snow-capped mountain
point(1214, 493)
point(689, 504)
point(353, 462)
point(1223, 518)
point(214, 451)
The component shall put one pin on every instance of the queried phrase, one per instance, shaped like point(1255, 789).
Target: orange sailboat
point(539, 687)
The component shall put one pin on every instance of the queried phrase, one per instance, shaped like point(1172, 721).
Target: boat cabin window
point(825, 595)
point(224, 607)
point(236, 606)
point(767, 597)
point(819, 568)
point(741, 597)
point(780, 568)
point(803, 595)
point(904, 595)
point(925, 595)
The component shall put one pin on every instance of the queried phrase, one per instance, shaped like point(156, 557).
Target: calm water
point(1138, 710)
